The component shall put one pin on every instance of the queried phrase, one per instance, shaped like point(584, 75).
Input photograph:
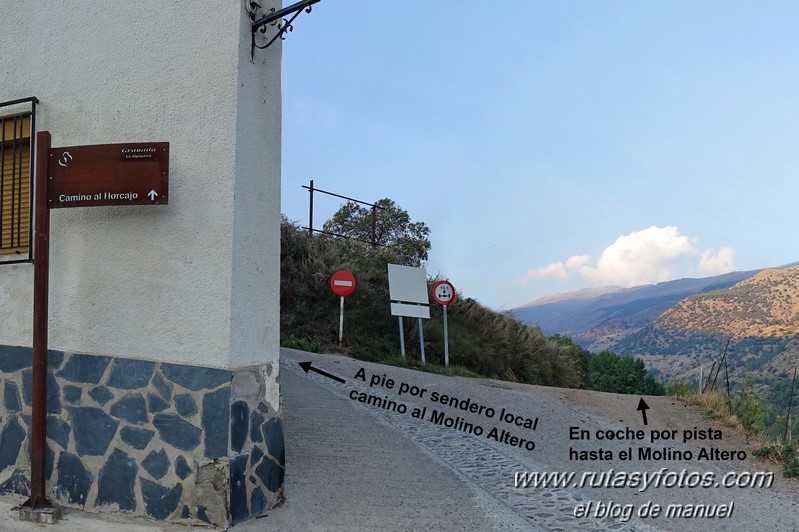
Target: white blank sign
point(407, 289)
point(410, 311)
point(407, 284)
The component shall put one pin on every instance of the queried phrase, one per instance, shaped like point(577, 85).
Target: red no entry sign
point(443, 292)
point(342, 283)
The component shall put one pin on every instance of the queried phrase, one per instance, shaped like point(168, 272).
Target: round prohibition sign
point(342, 283)
point(443, 292)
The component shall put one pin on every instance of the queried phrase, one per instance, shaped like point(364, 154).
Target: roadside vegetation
point(743, 410)
point(481, 342)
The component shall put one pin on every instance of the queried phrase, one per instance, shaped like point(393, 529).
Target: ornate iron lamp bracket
point(273, 18)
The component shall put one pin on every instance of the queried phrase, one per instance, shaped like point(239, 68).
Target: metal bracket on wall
point(259, 23)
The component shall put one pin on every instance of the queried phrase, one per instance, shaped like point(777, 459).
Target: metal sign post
point(421, 340)
point(341, 321)
point(402, 338)
point(41, 273)
point(77, 176)
point(444, 294)
point(446, 339)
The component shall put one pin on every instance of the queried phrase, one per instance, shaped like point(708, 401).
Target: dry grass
point(717, 405)
point(714, 403)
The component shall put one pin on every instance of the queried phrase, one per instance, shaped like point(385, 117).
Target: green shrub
point(613, 373)
point(750, 412)
point(791, 468)
point(303, 344)
point(764, 452)
point(679, 388)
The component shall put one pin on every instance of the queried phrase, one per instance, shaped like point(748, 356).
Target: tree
point(613, 373)
point(395, 235)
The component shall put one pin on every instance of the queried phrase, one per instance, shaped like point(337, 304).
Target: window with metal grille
point(16, 189)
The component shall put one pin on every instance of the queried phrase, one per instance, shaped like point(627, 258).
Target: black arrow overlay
point(307, 366)
point(642, 406)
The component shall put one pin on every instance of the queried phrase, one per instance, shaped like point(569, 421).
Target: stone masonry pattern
point(172, 442)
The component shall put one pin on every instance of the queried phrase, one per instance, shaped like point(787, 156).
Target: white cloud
point(555, 270)
point(642, 257)
point(722, 262)
point(652, 255)
point(578, 261)
point(558, 270)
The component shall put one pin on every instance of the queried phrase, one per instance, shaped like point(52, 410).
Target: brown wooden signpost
point(108, 174)
point(78, 176)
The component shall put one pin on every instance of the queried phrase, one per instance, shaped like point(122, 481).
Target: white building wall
point(256, 236)
point(194, 282)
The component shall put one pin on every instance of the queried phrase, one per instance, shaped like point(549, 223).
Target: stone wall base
point(172, 442)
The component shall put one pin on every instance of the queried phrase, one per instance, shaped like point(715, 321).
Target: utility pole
point(311, 230)
point(310, 214)
point(787, 436)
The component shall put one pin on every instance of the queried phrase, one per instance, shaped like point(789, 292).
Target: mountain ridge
point(679, 326)
point(598, 322)
point(766, 304)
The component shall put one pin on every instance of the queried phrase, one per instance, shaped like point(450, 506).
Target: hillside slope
point(766, 304)
point(480, 340)
point(758, 316)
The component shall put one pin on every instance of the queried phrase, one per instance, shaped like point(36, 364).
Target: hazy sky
point(554, 145)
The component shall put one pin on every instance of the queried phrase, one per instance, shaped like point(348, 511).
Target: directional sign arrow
point(307, 366)
point(642, 406)
point(152, 195)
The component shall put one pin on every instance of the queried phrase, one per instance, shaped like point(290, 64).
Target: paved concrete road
point(348, 470)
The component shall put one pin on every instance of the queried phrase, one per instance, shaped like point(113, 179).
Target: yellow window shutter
point(15, 184)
